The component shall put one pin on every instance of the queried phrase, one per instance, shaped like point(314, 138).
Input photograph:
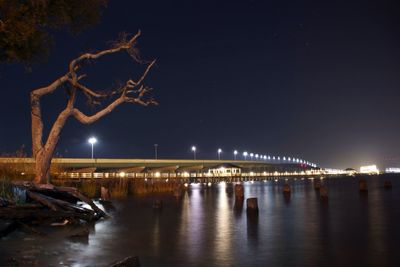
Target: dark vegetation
point(26, 26)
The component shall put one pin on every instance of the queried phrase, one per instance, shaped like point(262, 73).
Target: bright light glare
point(369, 169)
point(92, 140)
point(193, 148)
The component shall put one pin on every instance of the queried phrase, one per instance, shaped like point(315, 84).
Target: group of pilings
point(252, 202)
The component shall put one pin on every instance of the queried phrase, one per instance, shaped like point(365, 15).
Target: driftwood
point(127, 262)
point(47, 203)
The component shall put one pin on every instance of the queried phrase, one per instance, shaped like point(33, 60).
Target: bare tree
point(132, 91)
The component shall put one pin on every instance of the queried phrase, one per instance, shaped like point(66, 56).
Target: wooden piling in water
point(387, 184)
point(323, 193)
point(239, 191)
point(252, 204)
point(286, 189)
point(363, 186)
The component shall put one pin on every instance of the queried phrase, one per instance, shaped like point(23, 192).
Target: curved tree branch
point(131, 92)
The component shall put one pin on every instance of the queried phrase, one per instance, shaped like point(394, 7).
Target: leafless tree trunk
point(131, 92)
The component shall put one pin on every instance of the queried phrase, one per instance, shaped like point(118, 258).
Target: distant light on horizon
point(369, 169)
point(392, 170)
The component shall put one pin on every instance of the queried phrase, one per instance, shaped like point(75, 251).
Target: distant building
point(369, 169)
point(392, 170)
point(224, 170)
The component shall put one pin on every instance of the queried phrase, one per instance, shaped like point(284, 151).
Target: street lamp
point(194, 152)
point(92, 141)
point(219, 153)
point(251, 156)
point(155, 151)
point(234, 154)
point(245, 155)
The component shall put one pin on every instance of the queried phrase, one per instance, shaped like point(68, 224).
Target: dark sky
point(314, 80)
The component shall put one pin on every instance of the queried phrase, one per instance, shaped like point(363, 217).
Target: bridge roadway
point(136, 168)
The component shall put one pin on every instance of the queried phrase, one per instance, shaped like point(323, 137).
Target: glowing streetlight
point(92, 141)
point(234, 154)
point(251, 156)
point(219, 153)
point(256, 156)
point(194, 152)
point(245, 155)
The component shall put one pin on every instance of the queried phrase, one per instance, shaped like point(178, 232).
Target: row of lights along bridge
point(245, 154)
point(260, 157)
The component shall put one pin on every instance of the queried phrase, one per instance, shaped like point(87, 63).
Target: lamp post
point(155, 151)
point(234, 154)
point(219, 153)
point(194, 152)
point(251, 156)
point(245, 155)
point(92, 141)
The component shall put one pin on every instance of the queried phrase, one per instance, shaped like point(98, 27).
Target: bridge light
point(273, 158)
point(279, 158)
point(284, 158)
point(245, 155)
point(234, 154)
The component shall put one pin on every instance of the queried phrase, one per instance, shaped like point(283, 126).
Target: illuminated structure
point(392, 170)
point(224, 170)
point(369, 169)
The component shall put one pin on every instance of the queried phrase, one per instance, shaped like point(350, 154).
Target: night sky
point(314, 80)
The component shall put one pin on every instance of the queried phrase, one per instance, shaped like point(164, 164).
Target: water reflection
point(252, 229)
point(207, 227)
point(223, 229)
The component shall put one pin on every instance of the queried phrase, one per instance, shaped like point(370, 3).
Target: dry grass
point(119, 188)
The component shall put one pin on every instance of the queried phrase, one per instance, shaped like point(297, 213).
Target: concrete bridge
point(162, 168)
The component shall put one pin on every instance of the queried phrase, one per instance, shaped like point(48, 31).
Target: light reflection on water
point(203, 229)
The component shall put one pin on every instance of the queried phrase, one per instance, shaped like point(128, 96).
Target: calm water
point(203, 229)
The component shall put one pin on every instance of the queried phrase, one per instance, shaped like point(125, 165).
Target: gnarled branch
point(131, 92)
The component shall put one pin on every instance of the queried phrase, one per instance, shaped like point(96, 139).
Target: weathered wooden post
point(317, 185)
point(323, 193)
point(229, 189)
point(286, 189)
point(252, 204)
point(387, 184)
point(239, 191)
point(239, 196)
point(363, 186)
